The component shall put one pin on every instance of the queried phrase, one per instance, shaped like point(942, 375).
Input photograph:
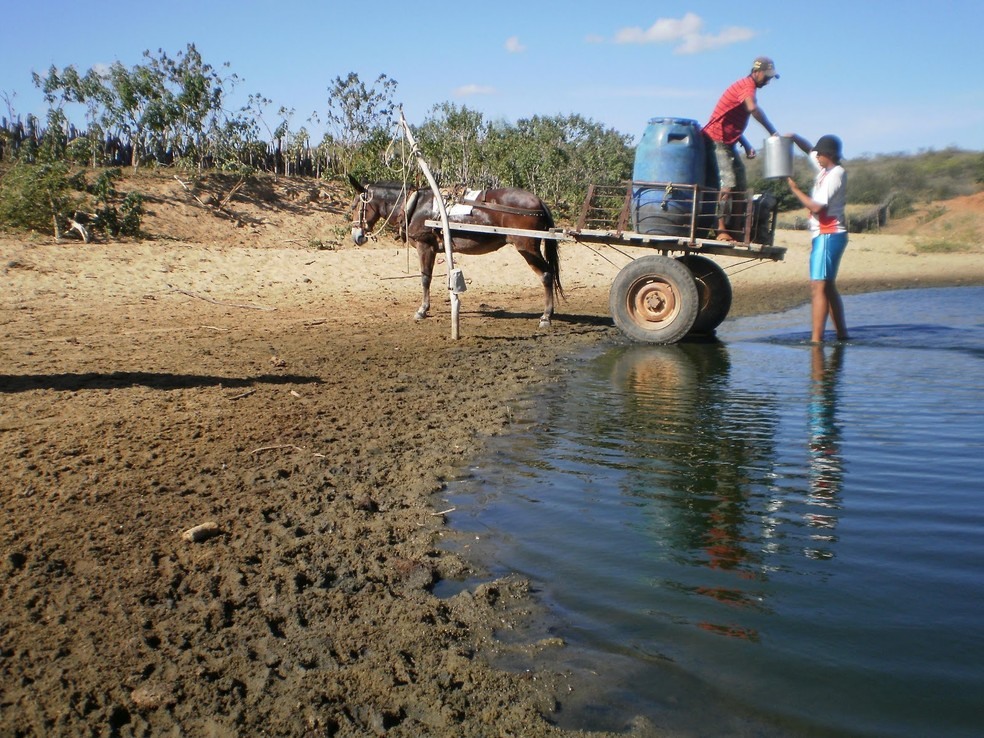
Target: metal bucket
point(777, 157)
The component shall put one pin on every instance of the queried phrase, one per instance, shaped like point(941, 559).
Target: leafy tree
point(451, 139)
point(40, 193)
point(190, 106)
point(360, 124)
point(65, 87)
point(557, 157)
point(165, 107)
point(133, 99)
point(865, 185)
point(237, 145)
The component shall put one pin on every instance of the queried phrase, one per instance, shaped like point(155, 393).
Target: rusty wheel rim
point(652, 302)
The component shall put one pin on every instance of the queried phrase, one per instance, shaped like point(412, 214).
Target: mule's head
point(371, 203)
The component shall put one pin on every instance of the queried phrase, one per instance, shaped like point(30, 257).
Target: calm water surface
point(757, 536)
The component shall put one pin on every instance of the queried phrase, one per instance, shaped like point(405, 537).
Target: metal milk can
point(777, 157)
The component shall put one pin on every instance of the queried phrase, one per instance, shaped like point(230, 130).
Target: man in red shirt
point(726, 129)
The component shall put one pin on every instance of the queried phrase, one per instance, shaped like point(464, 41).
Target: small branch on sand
point(220, 302)
point(443, 512)
point(241, 395)
point(291, 446)
point(232, 193)
point(191, 193)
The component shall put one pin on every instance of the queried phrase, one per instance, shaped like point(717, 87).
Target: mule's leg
point(427, 258)
point(529, 249)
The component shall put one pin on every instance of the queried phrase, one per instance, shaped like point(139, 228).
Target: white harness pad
point(462, 209)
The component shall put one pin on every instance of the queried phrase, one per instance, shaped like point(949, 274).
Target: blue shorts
point(825, 257)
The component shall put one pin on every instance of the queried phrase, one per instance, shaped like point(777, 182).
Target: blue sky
point(886, 76)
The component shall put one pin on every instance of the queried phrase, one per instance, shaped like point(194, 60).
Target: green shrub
point(39, 197)
point(110, 219)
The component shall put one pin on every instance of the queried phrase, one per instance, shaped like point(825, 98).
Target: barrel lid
point(677, 121)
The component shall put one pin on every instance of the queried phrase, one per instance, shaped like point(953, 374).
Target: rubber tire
point(654, 299)
point(714, 292)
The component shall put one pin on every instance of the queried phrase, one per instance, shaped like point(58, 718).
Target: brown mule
point(406, 210)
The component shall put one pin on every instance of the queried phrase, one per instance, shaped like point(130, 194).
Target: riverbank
point(284, 397)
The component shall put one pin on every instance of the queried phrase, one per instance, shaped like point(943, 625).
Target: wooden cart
point(678, 290)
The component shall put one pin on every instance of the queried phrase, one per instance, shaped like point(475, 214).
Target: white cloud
point(698, 42)
point(469, 90)
point(513, 46)
point(663, 30)
point(686, 33)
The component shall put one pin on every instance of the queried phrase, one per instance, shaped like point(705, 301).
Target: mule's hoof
point(544, 322)
point(420, 315)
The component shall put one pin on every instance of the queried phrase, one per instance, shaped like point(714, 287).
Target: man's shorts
point(731, 169)
point(825, 256)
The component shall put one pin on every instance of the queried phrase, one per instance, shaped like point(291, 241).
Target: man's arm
point(746, 144)
point(758, 114)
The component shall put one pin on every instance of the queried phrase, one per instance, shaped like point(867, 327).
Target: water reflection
point(817, 506)
point(826, 461)
point(715, 445)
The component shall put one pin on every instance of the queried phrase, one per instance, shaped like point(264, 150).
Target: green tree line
point(174, 111)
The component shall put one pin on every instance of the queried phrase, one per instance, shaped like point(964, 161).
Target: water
point(758, 536)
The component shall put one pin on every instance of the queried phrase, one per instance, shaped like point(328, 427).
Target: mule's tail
point(552, 255)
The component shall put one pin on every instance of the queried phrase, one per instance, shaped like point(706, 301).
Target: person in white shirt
point(828, 226)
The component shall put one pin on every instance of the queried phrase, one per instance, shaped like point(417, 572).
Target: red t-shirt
point(730, 116)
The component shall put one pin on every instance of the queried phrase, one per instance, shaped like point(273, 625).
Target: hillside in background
point(302, 211)
point(269, 211)
point(956, 224)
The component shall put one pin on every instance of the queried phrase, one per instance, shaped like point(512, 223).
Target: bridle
point(360, 210)
point(362, 206)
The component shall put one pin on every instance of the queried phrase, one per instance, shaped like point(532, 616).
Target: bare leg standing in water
point(828, 227)
point(826, 300)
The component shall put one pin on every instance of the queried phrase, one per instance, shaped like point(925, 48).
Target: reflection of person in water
point(708, 448)
point(826, 462)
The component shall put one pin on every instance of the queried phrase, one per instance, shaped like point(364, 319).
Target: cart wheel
point(654, 300)
point(713, 292)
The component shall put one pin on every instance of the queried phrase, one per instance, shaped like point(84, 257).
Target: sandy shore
point(285, 397)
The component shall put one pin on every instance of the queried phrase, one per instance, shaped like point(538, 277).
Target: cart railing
point(685, 211)
point(610, 214)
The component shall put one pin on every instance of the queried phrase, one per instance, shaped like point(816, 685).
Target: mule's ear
point(355, 183)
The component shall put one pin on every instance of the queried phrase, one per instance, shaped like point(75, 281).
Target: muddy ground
point(280, 395)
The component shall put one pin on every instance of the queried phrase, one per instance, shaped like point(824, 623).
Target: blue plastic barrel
point(669, 160)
